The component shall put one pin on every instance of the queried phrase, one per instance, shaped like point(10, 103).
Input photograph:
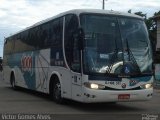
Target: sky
point(16, 15)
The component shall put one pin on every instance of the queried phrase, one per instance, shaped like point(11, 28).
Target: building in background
point(157, 18)
point(157, 64)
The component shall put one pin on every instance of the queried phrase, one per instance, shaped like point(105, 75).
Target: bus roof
point(78, 12)
point(97, 11)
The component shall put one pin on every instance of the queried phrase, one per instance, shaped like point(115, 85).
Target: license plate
point(124, 96)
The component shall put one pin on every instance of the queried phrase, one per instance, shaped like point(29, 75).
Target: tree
point(0, 60)
point(151, 26)
point(129, 11)
point(141, 14)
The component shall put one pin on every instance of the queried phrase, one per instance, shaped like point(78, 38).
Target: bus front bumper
point(91, 95)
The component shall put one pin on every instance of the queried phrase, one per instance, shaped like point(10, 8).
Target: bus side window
point(72, 52)
point(9, 46)
point(55, 32)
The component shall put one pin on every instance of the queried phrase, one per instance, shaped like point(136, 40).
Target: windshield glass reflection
point(105, 46)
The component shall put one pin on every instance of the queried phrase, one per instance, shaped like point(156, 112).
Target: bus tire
point(14, 87)
point(55, 91)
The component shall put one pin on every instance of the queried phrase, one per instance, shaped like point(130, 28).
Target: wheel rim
point(57, 91)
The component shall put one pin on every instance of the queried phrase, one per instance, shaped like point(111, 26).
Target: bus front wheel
point(56, 91)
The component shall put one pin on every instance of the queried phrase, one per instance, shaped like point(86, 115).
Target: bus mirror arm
point(80, 38)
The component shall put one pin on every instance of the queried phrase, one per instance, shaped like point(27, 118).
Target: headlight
point(94, 86)
point(147, 86)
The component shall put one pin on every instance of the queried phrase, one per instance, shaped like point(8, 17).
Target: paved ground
point(27, 102)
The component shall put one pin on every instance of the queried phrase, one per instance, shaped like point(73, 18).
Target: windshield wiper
point(114, 56)
point(131, 57)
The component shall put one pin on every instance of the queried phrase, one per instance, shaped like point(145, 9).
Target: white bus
point(83, 55)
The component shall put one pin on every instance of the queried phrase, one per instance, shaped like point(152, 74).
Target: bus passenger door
point(75, 70)
point(72, 54)
point(76, 75)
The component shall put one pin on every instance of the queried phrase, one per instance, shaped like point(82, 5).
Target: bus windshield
point(115, 45)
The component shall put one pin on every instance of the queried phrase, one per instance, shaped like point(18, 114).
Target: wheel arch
point(53, 76)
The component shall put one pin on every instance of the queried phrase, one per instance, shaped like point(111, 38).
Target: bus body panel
point(88, 95)
point(6, 74)
point(112, 96)
point(37, 76)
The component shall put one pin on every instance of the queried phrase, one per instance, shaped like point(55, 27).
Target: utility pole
point(103, 4)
